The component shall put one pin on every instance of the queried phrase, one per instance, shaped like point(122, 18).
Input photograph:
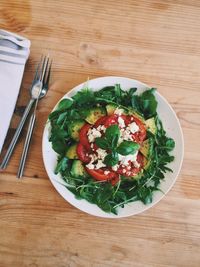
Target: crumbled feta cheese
point(93, 158)
point(99, 164)
point(125, 159)
point(106, 172)
point(93, 134)
point(101, 128)
point(101, 153)
point(123, 171)
point(126, 135)
point(136, 164)
point(121, 122)
point(90, 166)
point(115, 167)
point(118, 111)
point(133, 127)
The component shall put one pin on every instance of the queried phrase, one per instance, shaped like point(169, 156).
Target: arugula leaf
point(170, 144)
point(64, 104)
point(61, 165)
point(145, 194)
point(111, 159)
point(145, 103)
point(127, 147)
point(84, 97)
point(61, 118)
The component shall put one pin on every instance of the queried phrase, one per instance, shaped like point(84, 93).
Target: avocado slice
point(74, 129)
point(151, 125)
point(146, 148)
point(71, 152)
point(78, 169)
point(94, 114)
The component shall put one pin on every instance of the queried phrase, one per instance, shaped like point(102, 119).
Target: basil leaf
point(102, 143)
point(127, 147)
point(111, 159)
point(65, 104)
point(112, 131)
point(114, 141)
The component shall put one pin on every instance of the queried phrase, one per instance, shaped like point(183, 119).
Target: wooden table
point(156, 42)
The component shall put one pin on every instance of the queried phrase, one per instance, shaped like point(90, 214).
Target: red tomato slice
point(100, 121)
point(114, 180)
point(141, 134)
point(131, 170)
point(99, 175)
point(83, 136)
point(82, 153)
point(112, 119)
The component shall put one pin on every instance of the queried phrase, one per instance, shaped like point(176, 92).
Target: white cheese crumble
point(133, 127)
point(136, 164)
point(125, 159)
point(106, 172)
point(93, 134)
point(100, 164)
point(119, 111)
point(101, 153)
point(115, 167)
point(90, 166)
point(121, 122)
point(101, 128)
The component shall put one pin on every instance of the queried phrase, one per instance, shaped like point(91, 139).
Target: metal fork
point(34, 89)
point(45, 74)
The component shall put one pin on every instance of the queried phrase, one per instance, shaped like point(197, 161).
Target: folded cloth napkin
point(14, 52)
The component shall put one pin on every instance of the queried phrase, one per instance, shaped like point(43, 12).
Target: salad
point(111, 145)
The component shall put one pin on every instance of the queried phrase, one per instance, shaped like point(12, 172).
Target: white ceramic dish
point(171, 125)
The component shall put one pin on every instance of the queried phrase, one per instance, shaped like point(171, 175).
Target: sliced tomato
point(99, 175)
point(130, 170)
point(110, 120)
point(100, 121)
point(83, 136)
point(95, 147)
point(115, 179)
point(82, 153)
point(141, 134)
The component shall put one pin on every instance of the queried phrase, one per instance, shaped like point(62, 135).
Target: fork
point(34, 89)
point(44, 84)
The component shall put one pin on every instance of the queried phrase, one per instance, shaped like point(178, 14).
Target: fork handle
point(16, 135)
point(26, 145)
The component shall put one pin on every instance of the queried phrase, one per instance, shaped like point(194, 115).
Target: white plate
point(171, 125)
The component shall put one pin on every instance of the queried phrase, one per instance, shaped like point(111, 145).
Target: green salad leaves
point(141, 188)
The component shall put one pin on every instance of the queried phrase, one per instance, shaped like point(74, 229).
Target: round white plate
point(171, 125)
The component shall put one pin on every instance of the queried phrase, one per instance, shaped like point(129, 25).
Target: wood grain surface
point(156, 42)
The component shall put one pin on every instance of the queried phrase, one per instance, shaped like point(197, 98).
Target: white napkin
point(14, 52)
